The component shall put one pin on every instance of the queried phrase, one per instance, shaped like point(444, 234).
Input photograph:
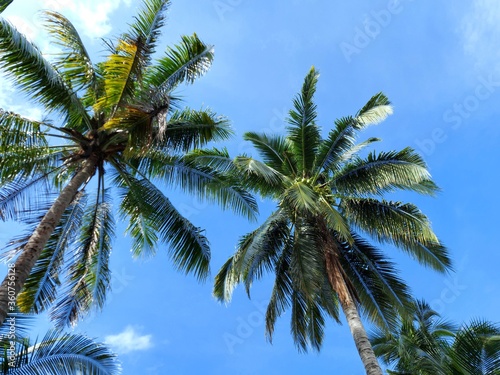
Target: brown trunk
point(338, 283)
point(17, 275)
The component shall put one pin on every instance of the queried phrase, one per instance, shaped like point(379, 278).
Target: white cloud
point(91, 15)
point(129, 341)
point(481, 33)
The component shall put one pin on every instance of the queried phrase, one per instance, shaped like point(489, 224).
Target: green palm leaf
point(185, 62)
point(64, 354)
point(74, 62)
point(303, 132)
point(385, 172)
point(26, 66)
point(4, 4)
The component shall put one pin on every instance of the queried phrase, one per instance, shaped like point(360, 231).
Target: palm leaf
point(476, 349)
point(74, 62)
point(303, 132)
point(374, 111)
point(188, 247)
point(401, 224)
point(199, 179)
point(385, 172)
point(381, 292)
point(274, 150)
point(19, 131)
point(65, 354)
point(89, 277)
point(189, 129)
point(185, 62)
point(147, 25)
point(4, 4)
point(26, 66)
point(282, 290)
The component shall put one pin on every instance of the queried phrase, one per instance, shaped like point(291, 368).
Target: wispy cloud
point(129, 341)
point(91, 15)
point(481, 33)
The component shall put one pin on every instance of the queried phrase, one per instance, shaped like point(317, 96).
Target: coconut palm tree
point(115, 124)
point(417, 344)
point(424, 344)
point(476, 349)
point(327, 197)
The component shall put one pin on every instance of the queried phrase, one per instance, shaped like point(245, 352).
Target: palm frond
point(89, 277)
point(146, 28)
point(274, 150)
point(199, 179)
point(306, 266)
point(334, 220)
point(4, 4)
point(476, 349)
point(35, 76)
point(188, 247)
point(300, 197)
point(375, 110)
point(36, 161)
point(259, 176)
point(282, 290)
point(303, 132)
point(65, 354)
point(403, 225)
point(185, 62)
point(381, 292)
point(119, 74)
point(188, 129)
point(74, 62)
point(16, 130)
point(385, 172)
point(17, 199)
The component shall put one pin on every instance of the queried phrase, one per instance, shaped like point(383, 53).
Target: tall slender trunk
point(338, 283)
point(17, 275)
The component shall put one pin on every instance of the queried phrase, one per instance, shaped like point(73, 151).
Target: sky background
point(438, 62)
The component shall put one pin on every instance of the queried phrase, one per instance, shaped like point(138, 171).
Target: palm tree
point(424, 344)
point(57, 354)
point(476, 349)
point(114, 124)
point(325, 195)
point(417, 344)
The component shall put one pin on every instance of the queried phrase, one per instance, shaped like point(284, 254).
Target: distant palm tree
point(417, 344)
point(325, 196)
point(424, 344)
point(114, 124)
point(476, 349)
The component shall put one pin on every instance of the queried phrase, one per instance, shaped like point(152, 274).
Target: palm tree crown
point(422, 343)
point(114, 124)
point(327, 197)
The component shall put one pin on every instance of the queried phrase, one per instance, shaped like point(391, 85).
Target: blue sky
point(438, 62)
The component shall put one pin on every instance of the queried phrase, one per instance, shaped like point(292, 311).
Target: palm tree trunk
point(9, 289)
point(338, 283)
